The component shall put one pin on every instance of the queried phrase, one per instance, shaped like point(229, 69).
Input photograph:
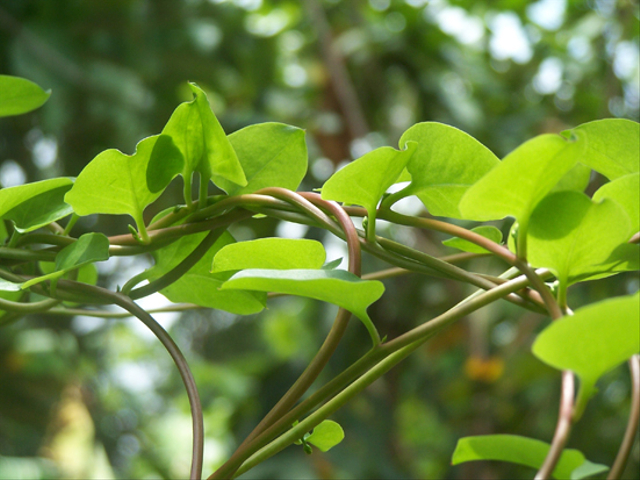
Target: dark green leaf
point(523, 451)
point(18, 95)
point(90, 247)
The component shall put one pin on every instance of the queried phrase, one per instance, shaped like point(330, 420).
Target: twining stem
point(632, 425)
point(32, 307)
point(181, 363)
point(340, 323)
point(70, 224)
point(416, 337)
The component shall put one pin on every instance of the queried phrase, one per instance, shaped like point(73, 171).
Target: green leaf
point(365, 180)
point(334, 286)
point(197, 133)
point(612, 146)
point(591, 342)
point(115, 183)
point(447, 161)
point(626, 191)
point(271, 253)
point(271, 155)
point(90, 247)
point(571, 235)
point(18, 95)
point(575, 179)
point(34, 205)
point(326, 435)
point(521, 180)
point(523, 451)
point(198, 285)
point(487, 231)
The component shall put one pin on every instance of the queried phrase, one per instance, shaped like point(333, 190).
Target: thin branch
point(634, 419)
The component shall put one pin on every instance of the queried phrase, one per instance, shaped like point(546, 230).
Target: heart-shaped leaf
point(571, 235)
point(365, 180)
point(271, 253)
point(34, 205)
point(116, 183)
point(523, 451)
point(487, 231)
point(271, 155)
point(326, 435)
point(591, 342)
point(18, 95)
point(612, 146)
point(521, 180)
point(446, 162)
point(198, 135)
point(198, 285)
point(334, 286)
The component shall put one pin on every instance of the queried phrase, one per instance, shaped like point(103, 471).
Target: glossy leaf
point(523, 451)
point(612, 146)
point(7, 286)
point(447, 161)
point(326, 435)
point(198, 135)
point(626, 191)
point(19, 95)
point(521, 180)
point(334, 286)
point(271, 155)
point(198, 285)
point(591, 342)
point(487, 231)
point(571, 235)
point(364, 181)
point(271, 253)
point(34, 205)
point(116, 183)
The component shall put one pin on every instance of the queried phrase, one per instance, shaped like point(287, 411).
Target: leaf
point(326, 435)
point(198, 135)
point(487, 231)
point(365, 180)
point(115, 183)
point(570, 235)
point(198, 285)
point(271, 155)
point(7, 286)
point(34, 205)
point(19, 95)
point(339, 287)
point(89, 248)
point(521, 180)
point(612, 146)
point(626, 191)
point(593, 341)
point(272, 253)
point(523, 451)
point(447, 161)
point(575, 179)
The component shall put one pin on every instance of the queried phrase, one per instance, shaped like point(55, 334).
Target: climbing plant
point(560, 237)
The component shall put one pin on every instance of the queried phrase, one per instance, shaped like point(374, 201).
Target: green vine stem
point(417, 336)
point(33, 307)
point(632, 425)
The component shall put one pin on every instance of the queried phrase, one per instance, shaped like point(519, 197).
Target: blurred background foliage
point(88, 397)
